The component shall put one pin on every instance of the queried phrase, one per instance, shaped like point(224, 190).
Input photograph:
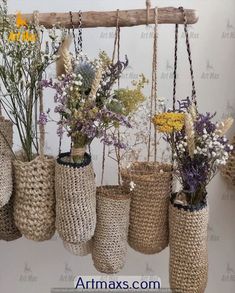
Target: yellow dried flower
point(169, 122)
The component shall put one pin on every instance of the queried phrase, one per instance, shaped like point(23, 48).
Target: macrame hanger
point(78, 43)
point(154, 88)
point(80, 39)
point(194, 100)
point(116, 50)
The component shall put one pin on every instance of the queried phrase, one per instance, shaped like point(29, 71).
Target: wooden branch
point(127, 18)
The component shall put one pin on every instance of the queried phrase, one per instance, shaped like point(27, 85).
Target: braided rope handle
point(189, 59)
point(40, 92)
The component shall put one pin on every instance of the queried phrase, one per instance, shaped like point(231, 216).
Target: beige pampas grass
point(64, 63)
point(193, 111)
point(190, 133)
point(224, 126)
point(96, 83)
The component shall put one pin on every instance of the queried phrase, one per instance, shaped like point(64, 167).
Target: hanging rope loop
point(194, 100)
point(116, 51)
point(78, 43)
point(154, 88)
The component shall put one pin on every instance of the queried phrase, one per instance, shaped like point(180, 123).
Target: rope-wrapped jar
point(34, 203)
point(228, 171)
point(188, 248)
point(6, 142)
point(75, 199)
point(8, 229)
point(152, 183)
point(110, 240)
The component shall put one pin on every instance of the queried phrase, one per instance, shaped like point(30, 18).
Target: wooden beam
point(127, 18)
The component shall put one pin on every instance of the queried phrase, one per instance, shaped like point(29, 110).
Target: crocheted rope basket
point(8, 229)
point(110, 239)
point(34, 203)
point(188, 248)
point(75, 199)
point(80, 249)
point(148, 230)
point(6, 143)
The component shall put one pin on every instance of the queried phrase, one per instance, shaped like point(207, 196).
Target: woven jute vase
point(34, 203)
point(80, 249)
point(188, 248)
point(75, 199)
point(148, 230)
point(6, 142)
point(110, 240)
point(228, 171)
point(8, 229)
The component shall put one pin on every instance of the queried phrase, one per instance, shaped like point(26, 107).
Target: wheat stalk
point(190, 133)
point(64, 63)
point(193, 111)
point(96, 83)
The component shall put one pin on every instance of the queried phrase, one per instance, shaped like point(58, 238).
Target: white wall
point(213, 43)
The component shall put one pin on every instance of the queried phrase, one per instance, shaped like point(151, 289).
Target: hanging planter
point(6, 142)
point(8, 229)
point(110, 239)
point(34, 185)
point(188, 247)
point(228, 171)
point(34, 203)
point(75, 199)
point(80, 249)
point(148, 230)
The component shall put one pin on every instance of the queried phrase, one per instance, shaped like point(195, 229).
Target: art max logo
point(229, 275)
point(229, 33)
point(27, 275)
point(23, 33)
point(210, 73)
point(68, 275)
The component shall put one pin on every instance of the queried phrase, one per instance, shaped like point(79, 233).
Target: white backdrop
point(26, 266)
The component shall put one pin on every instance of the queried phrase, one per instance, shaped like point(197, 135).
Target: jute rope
point(78, 152)
point(154, 88)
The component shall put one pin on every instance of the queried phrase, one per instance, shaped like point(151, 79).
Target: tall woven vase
point(75, 203)
point(228, 171)
point(188, 248)
point(6, 142)
point(8, 229)
point(148, 230)
point(34, 204)
point(110, 240)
